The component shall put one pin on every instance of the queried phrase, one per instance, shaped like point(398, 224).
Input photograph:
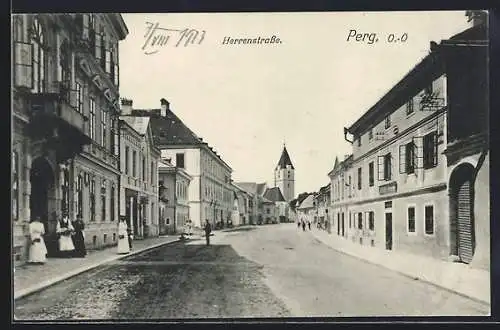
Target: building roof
point(274, 194)
point(170, 130)
point(307, 203)
point(139, 124)
point(285, 159)
point(253, 187)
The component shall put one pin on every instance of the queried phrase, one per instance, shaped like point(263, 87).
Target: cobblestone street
point(265, 271)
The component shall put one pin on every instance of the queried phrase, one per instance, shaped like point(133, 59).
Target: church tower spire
point(284, 175)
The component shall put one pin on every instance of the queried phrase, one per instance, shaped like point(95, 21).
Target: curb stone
point(48, 283)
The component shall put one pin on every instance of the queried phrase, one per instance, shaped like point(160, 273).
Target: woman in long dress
point(38, 250)
point(64, 229)
point(79, 237)
point(123, 244)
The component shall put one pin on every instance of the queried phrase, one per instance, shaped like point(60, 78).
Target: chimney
point(126, 107)
point(165, 106)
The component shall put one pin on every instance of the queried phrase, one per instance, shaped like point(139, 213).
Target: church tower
point(284, 176)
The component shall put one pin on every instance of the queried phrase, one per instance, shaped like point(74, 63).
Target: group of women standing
point(71, 239)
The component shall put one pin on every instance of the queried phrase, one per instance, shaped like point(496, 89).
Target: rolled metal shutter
point(465, 239)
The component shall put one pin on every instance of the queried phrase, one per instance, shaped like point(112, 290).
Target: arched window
point(38, 42)
point(92, 199)
point(17, 33)
point(103, 200)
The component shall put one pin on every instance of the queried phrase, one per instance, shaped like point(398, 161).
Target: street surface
point(264, 271)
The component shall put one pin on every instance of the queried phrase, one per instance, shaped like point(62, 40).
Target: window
point(179, 160)
point(134, 163)
point(92, 200)
point(152, 175)
point(359, 141)
point(388, 121)
point(168, 221)
point(79, 97)
point(350, 220)
point(409, 107)
point(79, 196)
point(407, 158)
point(100, 46)
point(371, 220)
point(104, 118)
point(428, 90)
point(112, 204)
point(429, 219)
point(15, 185)
point(359, 177)
point(289, 174)
point(127, 160)
point(388, 205)
point(65, 65)
point(371, 174)
point(370, 134)
point(411, 219)
point(349, 186)
point(268, 211)
point(430, 150)
point(360, 220)
point(113, 135)
point(144, 168)
point(65, 192)
point(385, 167)
point(103, 200)
point(38, 42)
point(92, 118)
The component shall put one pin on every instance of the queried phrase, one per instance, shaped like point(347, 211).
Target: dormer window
point(388, 121)
point(428, 90)
point(370, 134)
point(359, 141)
point(409, 107)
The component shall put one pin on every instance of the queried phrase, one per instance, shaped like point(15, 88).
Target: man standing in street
point(208, 231)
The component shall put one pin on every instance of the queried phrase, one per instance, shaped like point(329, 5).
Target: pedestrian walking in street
point(190, 227)
point(309, 224)
point(303, 226)
point(37, 250)
point(79, 237)
point(208, 231)
point(298, 224)
point(65, 229)
point(123, 243)
point(130, 237)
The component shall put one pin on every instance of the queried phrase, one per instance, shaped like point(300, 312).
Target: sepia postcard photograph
point(258, 165)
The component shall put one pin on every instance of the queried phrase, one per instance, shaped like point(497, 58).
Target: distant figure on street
point(208, 231)
point(303, 226)
point(38, 250)
point(298, 224)
point(65, 229)
point(190, 227)
point(309, 224)
point(123, 244)
point(79, 237)
point(130, 237)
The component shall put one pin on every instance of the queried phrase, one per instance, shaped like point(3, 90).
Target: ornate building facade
point(65, 137)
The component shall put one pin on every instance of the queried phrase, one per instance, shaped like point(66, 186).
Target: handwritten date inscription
point(156, 37)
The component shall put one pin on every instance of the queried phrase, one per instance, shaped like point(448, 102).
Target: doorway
point(343, 225)
point(42, 181)
point(462, 233)
point(388, 230)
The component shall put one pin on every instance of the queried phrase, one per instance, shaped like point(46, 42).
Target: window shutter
point(85, 26)
point(108, 61)
point(402, 158)
point(435, 147)
point(117, 75)
point(98, 45)
point(380, 160)
point(23, 68)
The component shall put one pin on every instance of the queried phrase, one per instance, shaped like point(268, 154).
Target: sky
point(247, 100)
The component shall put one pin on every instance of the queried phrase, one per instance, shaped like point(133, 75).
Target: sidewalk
point(32, 278)
point(456, 277)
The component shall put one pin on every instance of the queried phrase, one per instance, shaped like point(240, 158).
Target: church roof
point(274, 194)
point(285, 159)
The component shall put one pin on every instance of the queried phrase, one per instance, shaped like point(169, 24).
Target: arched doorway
point(461, 192)
point(42, 188)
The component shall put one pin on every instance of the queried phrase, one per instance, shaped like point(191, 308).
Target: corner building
point(65, 138)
